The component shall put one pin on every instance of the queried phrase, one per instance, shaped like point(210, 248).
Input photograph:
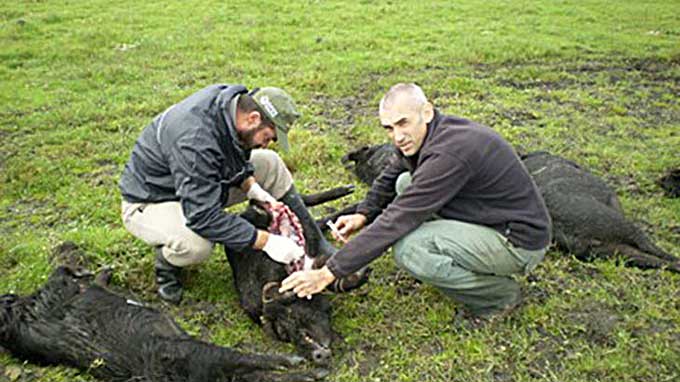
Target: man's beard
point(247, 137)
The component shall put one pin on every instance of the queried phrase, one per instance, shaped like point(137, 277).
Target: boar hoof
point(351, 282)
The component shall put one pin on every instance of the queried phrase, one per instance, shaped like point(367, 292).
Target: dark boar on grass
point(74, 321)
point(304, 322)
point(588, 220)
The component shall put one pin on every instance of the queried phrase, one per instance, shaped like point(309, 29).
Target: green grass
point(595, 81)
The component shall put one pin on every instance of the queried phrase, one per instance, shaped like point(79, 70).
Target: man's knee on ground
point(182, 252)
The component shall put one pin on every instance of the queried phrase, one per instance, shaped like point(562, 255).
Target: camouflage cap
point(280, 109)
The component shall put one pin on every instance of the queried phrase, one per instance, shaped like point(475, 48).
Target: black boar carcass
point(588, 220)
point(74, 321)
point(304, 322)
point(366, 162)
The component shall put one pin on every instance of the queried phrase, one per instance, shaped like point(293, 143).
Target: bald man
point(458, 207)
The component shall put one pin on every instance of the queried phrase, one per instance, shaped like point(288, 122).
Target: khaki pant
point(164, 224)
point(471, 264)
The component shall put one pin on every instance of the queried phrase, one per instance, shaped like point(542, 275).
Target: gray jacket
point(190, 153)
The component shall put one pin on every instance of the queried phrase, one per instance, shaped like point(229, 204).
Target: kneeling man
point(201, 155)
point(458, 207)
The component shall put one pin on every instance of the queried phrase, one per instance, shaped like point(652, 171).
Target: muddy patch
point(366, 358)
point(644, 89)
point(105, 173)
point(342, 113)
point(597, 323)
point(404, 284)
point(656, 327)
point(515, 116)
point(546, 353)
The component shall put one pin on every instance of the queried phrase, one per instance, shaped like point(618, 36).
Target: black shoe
point(168, 279)
point(317, 245)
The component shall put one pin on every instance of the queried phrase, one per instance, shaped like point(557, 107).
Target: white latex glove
point(258, 193)
point(282, 249)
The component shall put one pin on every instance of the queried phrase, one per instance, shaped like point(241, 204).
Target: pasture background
point(595, 81)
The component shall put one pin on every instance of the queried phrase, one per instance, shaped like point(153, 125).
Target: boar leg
point(326, 196)
point(634, 257)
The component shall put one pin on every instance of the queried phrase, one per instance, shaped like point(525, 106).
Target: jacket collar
point(227, 102)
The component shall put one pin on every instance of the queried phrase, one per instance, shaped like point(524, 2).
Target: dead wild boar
point(588, 220)
point(367, 162)
point(305, 323)
point(74, 321)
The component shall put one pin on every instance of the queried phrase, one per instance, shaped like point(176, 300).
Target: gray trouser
point(164, 224)
point(471, 264)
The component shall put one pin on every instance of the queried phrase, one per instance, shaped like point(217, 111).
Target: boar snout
point(321, 355)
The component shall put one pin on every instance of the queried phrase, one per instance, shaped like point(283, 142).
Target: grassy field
point(595, 81)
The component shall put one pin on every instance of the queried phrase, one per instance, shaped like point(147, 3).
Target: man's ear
point(428, 112)
point(254, 118)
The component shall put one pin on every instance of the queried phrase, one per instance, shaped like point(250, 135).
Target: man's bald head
point(410, 95)
point(405, 113)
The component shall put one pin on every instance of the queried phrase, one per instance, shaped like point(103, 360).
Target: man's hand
point(255, 192)
point(282, 249)
point(307, 283)
point(347, 225)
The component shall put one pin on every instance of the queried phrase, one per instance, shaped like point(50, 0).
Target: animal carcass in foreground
point(304, 322)
point(74, 321)
point(588, 220)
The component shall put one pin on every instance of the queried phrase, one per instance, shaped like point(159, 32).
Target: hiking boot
point(316, 242)
point(168, 279)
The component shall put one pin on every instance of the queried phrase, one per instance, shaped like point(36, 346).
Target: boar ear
point(270, 293)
